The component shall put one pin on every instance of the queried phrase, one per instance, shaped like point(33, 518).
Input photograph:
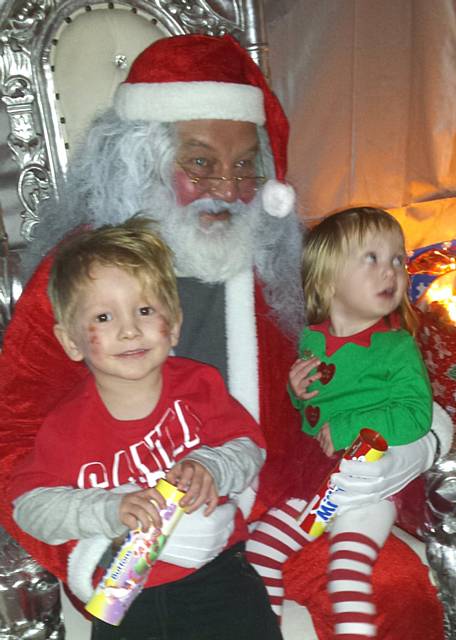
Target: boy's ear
point(175, 331)
point(68, 345)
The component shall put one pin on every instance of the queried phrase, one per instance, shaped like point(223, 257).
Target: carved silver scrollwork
point(23, 22)
point(19, 96)
point(33, 186)
point(5, 282)
point(29, 596)
point(199, 16)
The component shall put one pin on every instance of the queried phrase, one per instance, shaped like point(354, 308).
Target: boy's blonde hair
point(132, 247)
point(324, 249)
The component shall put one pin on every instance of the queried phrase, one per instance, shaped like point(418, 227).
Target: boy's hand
point(325, 440)
point(190, 476)
point(300, 377)
point(141, 509)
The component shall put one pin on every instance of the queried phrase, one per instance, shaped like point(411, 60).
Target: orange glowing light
point(442, 295)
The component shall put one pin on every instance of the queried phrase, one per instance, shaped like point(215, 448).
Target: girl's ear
point(331, 290)
point(68, 345)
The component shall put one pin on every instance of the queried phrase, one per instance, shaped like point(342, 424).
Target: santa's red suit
point(35, 374)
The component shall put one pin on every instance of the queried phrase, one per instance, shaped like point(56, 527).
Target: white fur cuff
point(82, 564)
point(443, 428)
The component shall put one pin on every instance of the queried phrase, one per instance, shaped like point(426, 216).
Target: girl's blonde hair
point(328, 243)
point(132, 247)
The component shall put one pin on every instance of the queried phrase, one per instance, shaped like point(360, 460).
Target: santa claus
point(197, 141)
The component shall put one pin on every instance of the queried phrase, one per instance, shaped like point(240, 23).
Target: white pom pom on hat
point(278, 198)
point(199, 77)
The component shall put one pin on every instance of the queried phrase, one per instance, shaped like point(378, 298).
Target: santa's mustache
point(208, 205)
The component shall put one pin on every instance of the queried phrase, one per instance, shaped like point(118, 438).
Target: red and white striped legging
point(356, 538)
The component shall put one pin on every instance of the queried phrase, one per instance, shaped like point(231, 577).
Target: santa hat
point(198, 77)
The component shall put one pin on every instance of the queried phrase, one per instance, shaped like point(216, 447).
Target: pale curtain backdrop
point(370, 90)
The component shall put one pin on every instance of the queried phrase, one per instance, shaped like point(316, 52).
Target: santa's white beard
point(214, 252)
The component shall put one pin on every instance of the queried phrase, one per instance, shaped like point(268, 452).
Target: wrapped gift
point(428, 264)
point(433, 290)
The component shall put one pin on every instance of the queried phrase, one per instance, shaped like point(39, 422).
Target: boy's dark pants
point(224, 600)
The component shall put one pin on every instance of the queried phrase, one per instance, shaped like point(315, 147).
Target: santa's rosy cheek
point(247, 197)
point(185, 190)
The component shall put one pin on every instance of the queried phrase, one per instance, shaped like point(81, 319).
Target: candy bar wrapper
point(368, 446)
point(126, 576)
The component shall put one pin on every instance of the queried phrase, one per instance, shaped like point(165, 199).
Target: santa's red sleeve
point(34, 375)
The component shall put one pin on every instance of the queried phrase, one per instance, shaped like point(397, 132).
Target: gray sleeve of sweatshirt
point(233, 465)
point(57, 514)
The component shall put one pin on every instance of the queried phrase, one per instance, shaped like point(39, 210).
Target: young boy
point(138, 417)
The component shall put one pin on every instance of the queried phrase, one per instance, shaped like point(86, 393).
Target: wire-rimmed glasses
point(245, 184)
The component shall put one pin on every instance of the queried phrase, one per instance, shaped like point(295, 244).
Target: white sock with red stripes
point(272, 542)
point(356, 539)
point(352, 557)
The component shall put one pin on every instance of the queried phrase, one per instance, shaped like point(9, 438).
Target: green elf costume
point(375, 379)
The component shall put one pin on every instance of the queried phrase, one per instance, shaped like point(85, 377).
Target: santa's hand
point(198, 539)
point(369, 482)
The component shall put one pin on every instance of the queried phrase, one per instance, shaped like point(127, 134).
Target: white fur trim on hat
point(278, 198)
point(179, 101)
